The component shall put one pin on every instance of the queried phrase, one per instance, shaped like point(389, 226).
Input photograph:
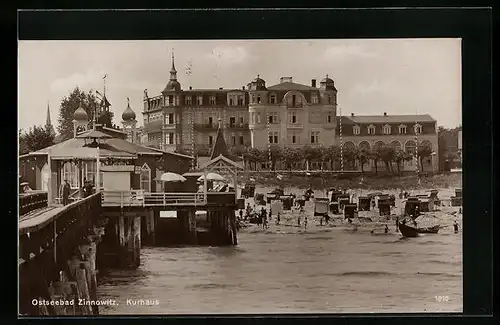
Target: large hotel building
point(285, 114)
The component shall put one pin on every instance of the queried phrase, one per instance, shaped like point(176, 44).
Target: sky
point(373, 76)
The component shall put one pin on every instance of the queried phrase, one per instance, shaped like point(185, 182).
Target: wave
point(365, 273)
point(210, 286)
point(318, 238)
point(448, 275)
point(444, 262)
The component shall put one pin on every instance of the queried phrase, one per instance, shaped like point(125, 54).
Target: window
point(240, 101)
point(233, 140)
point(230, 101)
point(241, 140)
point(145, 178)
point(258, 118)
point(210, 120)
point(169, 118)
point(241, 120)
point(210, 140)
point(272, 99)
point(170, 138)
point(356, 130)
point(418, 128)
point(189, 100)
point(329, 117)
point(314, 98)
point(387, 129)
point(232, 121)
point(273, 137)
point(89, 172)
point(170, 100)
point(273, 118)
point(292, 117)
point(293, 139)
point(211, 100)
point(314, 135)
point(402, 129)
point(329, 99)
point(371, 129)
point(199, 100)
point(258, 99)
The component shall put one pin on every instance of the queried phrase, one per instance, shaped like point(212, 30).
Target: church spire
point(173, 72)
point(48, 123)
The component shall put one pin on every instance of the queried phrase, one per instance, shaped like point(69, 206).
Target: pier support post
point(136, 241)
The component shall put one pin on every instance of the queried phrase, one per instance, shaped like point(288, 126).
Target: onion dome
point(257, 84)
point(327, 84)
point(173, 85)
point(128, 114)
point(80, 115)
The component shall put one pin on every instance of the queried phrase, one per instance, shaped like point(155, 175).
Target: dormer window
point(272, 99)
point(199, 100)
point(356, 130)
point(418, 128)
point(240, 100)
point(314, 98)
point(387, 129)
point(371, 129)
point(258, 99)
point(189, 100)
point(402, 129)
point(211, 100)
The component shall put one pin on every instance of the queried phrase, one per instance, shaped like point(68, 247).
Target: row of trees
point(35, 138)
point(330, 156)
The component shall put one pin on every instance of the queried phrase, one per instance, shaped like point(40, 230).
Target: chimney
point(242, 87)
point(190, 88)
point(385, 114)
point(352, 114)
point(313, 83)
point(220, 88)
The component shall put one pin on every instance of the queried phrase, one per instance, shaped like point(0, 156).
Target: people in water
point(305, 223)
point(298, 221)
point(460, 210)
point(278, 219)
point(455, 226)
point(386, 230)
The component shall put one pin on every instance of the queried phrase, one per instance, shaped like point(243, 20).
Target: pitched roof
point(366, 119)
point(290, 86)
point(224, 159)
point(220, 147)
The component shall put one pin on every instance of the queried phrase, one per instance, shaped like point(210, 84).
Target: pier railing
point(32, 201)
point(141, 198)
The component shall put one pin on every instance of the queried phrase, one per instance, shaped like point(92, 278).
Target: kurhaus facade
point(286, 114)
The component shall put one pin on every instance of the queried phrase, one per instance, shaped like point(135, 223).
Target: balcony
point(206, 127)
point(294, 105)
point(237, 126)
point(295, 126)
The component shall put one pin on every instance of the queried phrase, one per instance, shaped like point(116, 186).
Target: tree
point(350, 154)
point(310, 154)
point(386, 153)
point(423, 152)
point(36, 138)
point(333, 155)
point(291, 155)
point(375, 156)
point(363, 155)
point(70, 104)
point(254, 155)
point(399, 157)
point(276, 155)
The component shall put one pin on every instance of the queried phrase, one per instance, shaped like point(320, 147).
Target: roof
point(220, 147)
point(221, 158)
point(366, 119)
point(290, 86)
point(94, 134)
point(211, 90)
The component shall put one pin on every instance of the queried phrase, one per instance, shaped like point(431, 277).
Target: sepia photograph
point(250, 176)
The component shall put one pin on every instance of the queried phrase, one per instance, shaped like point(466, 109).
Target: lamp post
point(433, 157)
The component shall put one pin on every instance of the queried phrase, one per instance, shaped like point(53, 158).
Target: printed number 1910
point(442, 298)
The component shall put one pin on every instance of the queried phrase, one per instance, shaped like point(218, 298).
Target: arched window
point(387, 129)
point(377, 145)
point(356, 130)
point(410, 147)
point(349, 145)
point(364, 145)
point(371, 129)
point(396, 145)
point(418, 128)
point(145, 178)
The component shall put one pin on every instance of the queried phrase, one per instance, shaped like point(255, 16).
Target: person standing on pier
point(65, 189)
